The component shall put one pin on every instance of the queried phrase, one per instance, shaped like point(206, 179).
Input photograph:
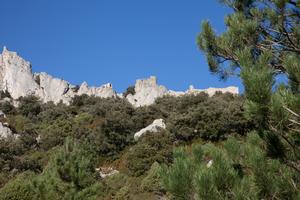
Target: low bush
point(152, 148)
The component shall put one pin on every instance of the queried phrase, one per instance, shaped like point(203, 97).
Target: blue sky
point(115, 41)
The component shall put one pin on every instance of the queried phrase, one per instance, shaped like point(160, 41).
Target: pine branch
point(292, 112)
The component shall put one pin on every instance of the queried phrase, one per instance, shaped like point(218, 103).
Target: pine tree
point(70, 174)
point(262, 42)
point(234, 170)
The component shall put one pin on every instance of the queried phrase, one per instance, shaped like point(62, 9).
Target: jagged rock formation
point(17, 79)
point(156, 126)
point(147, 91)
point(53, 89)
point(15, 75)
point(104, 91)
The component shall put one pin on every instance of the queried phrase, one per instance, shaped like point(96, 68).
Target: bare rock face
point(16, 76)
point(17, 79)
point(103, 91)
point(157, 125)
point(53, 89)
point(211, 91)
point(146, 91)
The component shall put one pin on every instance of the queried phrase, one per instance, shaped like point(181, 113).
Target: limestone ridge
point(146, 91)
point(17, 79)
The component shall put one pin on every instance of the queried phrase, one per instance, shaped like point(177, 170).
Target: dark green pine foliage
point(70, 174)
point(261, 43)
point(238, 170)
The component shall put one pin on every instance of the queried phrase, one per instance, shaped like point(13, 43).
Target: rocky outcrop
point(53, 89)
point(156, 126)
point(2, 114)
point(105, 172)
point(147, 91)
point(16, 76)
point(5, 132)
point(211, 91)
point(17, 79)
point(103, 91)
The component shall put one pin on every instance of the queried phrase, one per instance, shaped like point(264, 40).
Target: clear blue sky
point(115, 41)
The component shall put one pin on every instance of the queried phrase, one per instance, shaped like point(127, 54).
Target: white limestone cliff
point(17, 79)
point(16, 76)
point(147, 91)
point(53, 89)
point(156, 125)
point(104, 91)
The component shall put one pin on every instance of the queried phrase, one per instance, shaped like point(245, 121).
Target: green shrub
point(18, 188)
point(29, 106)
point(151, 148)
point(152, 183)
point(7, 108)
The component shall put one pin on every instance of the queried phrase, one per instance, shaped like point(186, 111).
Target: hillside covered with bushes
point(211, 147)
point(65, 144)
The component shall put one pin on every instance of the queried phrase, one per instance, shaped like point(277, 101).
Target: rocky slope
point(17, 78)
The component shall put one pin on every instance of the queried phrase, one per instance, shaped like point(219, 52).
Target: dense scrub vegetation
point(55, 140)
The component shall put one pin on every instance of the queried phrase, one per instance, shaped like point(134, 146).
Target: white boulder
point(156, 126)
point(209, 164)
point(2, 114)
point(5, 132)
point(106, 171)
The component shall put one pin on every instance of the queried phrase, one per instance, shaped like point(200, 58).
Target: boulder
point(106, 171)
point(2, 114)
point(5, 132)
point(209, 164)
point(156, 126)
